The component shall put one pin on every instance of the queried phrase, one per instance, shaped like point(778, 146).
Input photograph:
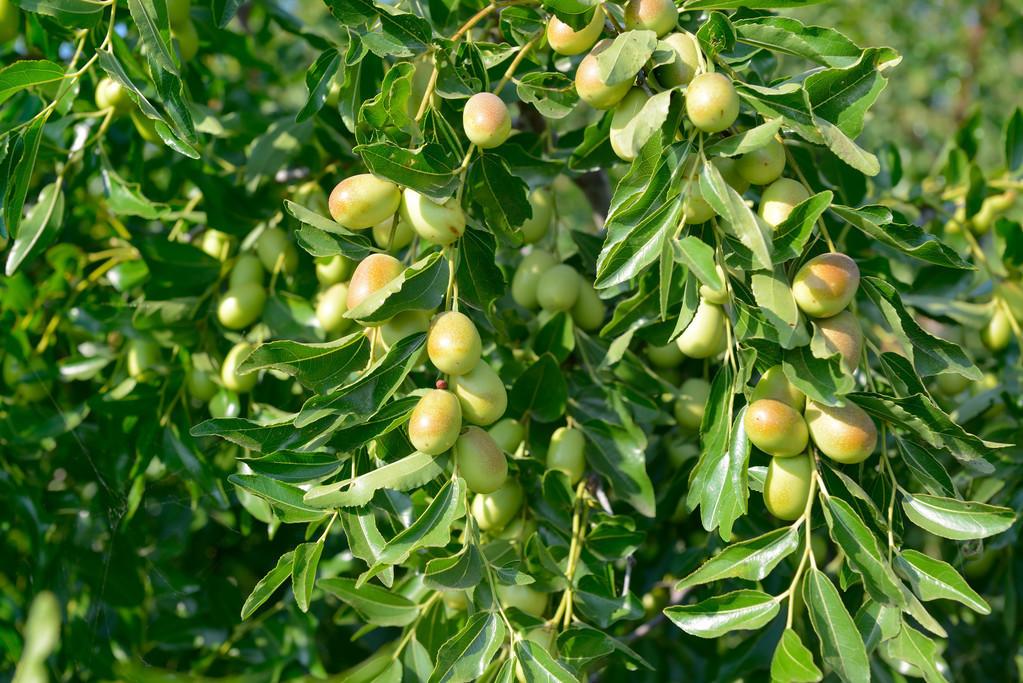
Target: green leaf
point(127, 199)
point(341, 239)
point(698, 256)
point(822, 379)
point(746, 141)
point(876, 222)
point(410, 472)
point(617, 453)
point(580, 645)
point(150, 18)
point(28, 147)
point(303, 574)
point(538, 666)
point(321, 367)
point(426, 170)
point(915, 648)
point(504, 197)
point(819, 44)
point(847, 150)
point(376, 605)
point(862, 551)
point(1014, 141)
point(268, 584)
point(927, 468)
point(285, 498)
point(792, 662)
point(480, 280)
point(743, 610)
point(932, 579)
point(956, 519)
point(540, 391)
point(40, 227)
point(552, 93)
point(842, 95)
point(294, 467)
point(623, 59)
point(462, 570)
point(643, 125)
point(773, 295)
point(421, 286)
point(364, 538)
point(751, 560)
point(466, 655)
point(27, 73)
point(792, 234)
point(841, 645)
point(738, 216)
point(751, 4)
point(258, 436)
point(318, 80)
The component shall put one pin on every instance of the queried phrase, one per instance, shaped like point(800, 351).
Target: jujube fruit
point(659, 16)
point(481, 394)
point(145, 126)
point(696, 209)
point(229, 375)
point(453, 344)
point(361, 201)
point(776, 428)
point(729, 170)
point(997, 332)
point(225, 403)
point(480, 461)
point(435, 422)
point(200, 384)
point(566, 453)
point(247, 269)
point(331, 270)
point(527, 277)
point(565, 40)
point(691, 403)
point(402, 325)
point(712, 103)
point(787, 486)
point(842, 334)
point(716, 296)
point(486, 120)
point(623, 142)
point(274, 247)
point(493, 511)
point(188, 40)
point(686, 64)
point(331, 307)
point(779, 198)
point(951, 383)
point(179, 12)
point(826, 284)
point(588, 310)
point(846, 434)
point(111, 95)
point(763, 166)
point(773, 384)
point(667, 356)
point(241, 306)
point(542, 203)
point(588, 84)
point(558, 288)
point(454, 599)
point(440, 224)
point(403, 234)
point(10, 20)
point(372, 273)
point(144, 357)
point(215, 243)
point(705, 336)
point(529, 600)
point(508, 434)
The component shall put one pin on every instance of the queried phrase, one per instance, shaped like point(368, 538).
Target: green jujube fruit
point(480, 461)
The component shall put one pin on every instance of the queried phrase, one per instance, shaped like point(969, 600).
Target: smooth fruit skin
point(536, 227)
point(659, 16)
point(845, 434)
point(842, 334)
point(566, 41)
point(225, 403)
point(402, 325)
point(331, 308)
point(145, 126)
point(440, 224)
point(480, 461)
point(247, 269)
point(776, 428)
point(481, 393)
point(558, 288)
point(486, 120)
point(508, 434)
point(692, 403)
point(826, 284)
point(527, 277)
point(952, 384)
point(188, 40)
point(229, 369)
point(787, 487)
point(493, 511)
point(372, 273)
point(435, 422)
point(763, 166)
point(687, 60)
point(215, 243)
point(566, 453)
point(331, 270)
point(454, 344)
point(705, 335)
point(998, 332)
point(403, 234)
point(590, 88)
point(696, 209)
point(361, 201)
point(179, 12)
point(273, 247)
point(779, 198)
point(773, 384)
point(10, 20)
point(622, 142)
point(143, 357)
point(241, 306)
point(200, 384)
point(728, 168)
point(111, 95)
point(589, 309)
point(667, 356)
point(529, 600)
point(712, 103)
point(716, 296)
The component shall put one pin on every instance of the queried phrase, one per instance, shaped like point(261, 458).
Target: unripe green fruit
point(826, 284)
point(216, 244)
point(440, 224)
point(716, 296)
point(145, 126)
point(696, 209)
point(144, 357)
point(480, 461)
point(372, 273)
point(527, 277)
point(518, 530)
point(779, 198)
point(991, 208)
point(247, 269)
point(564, 40)
point(10, 21)
point(200, 384)
point(273, 246)
point(331, 270)
point(508, 434)
point(188, 40)
point(659, 16)
point(623, 142)
point(241, 306)
point(687, 60)
point(435, 422)
point(952, 384)
point(998, 331)
point(542, 203)
point(225, 403)
point(453, 344)
point(712, 103)
point(565, 453)
point(706, 335)
point(729, 170)
point(776, 428)
point(361, 201)
point(591, 89)
point(229, 375)
point(775, 385)
point(331, 308)
point(481, 393)
point(403, 234)
point(845, 434)
point(588, 311)
point(842, 334)
point(667, 356)
point(179, 12)
point(763, 166)
point(493, 511)
point(402, 325)
point(558, 288)
point(486, 120)
point(787, 486)
point(111, 95)
point(529, 600)
point(692, 403)
point(454, 599)
point(28, 380)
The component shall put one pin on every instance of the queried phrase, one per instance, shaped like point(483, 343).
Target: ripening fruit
point(845, 434)
point(787, 487)
point(403, 234)
point(241, 306)
point(527, 277)
point(441, 224)
point(667, 356)
point(826, 284)
point(692, 403)
point(435, 422)
point(842, 334)
point(659, 16)
point(623, 142)
point(402, 325)
point(215, 243)
point(779, 198)
point(486, 120)
point(273, 247)
point(529, 600)
point(10, 21)
point(331, 308)
point(564, 40)
point(493, 511)
point(763, 166)
point(247, 269)
point(696, 209)
point(481, 393)
point(179, 12)
point(706, 335)
point(361, 201)
point(225, 403)
point(188, 40)
point(508, 434)
point(229, 375)
point(588, 311)
point(776, 428)
point(29, 380)
point(716, 296)
point(143, 357)
point(558, 288)
point(565, 453)
point(712, 103)
point(591, 89)
point(542, 203)
point(372, 273)
point(687, 60)
point(110, 94)
point(453, 344)
point(997, 333)
point(331, 270)
point(480, 461)
point(952, 384)
point(773, 384)
point(200, 384)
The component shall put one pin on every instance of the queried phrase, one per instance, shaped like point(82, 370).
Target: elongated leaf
point(915, 648)
point(150, 18)
point(410, 472)
point(774, 297)
point(39, 229)
point(739, 218)
point(463, 570)
point(540, 391)
point(698, 256)
point(303, 575)
point(841, 645)
point(621, 61)
point(743, 610)
point(468, 653)
point(427, 170)
point(364, 538)
point(321, 367)
point(792, 662)
point(862, 551)
point(295, 467)
point(374, 604)
point(746, 141)
point(932, 579)
point(876, 222)
point(27, 73)
point(751, 560)
point(268, 584)
point(503, 196)
point(421, 286)
point(822, 45)
point(260, 437)
point(823, 380)
point(956, 519)
point(538, 666)
point(285, 498)
point(617, 454)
